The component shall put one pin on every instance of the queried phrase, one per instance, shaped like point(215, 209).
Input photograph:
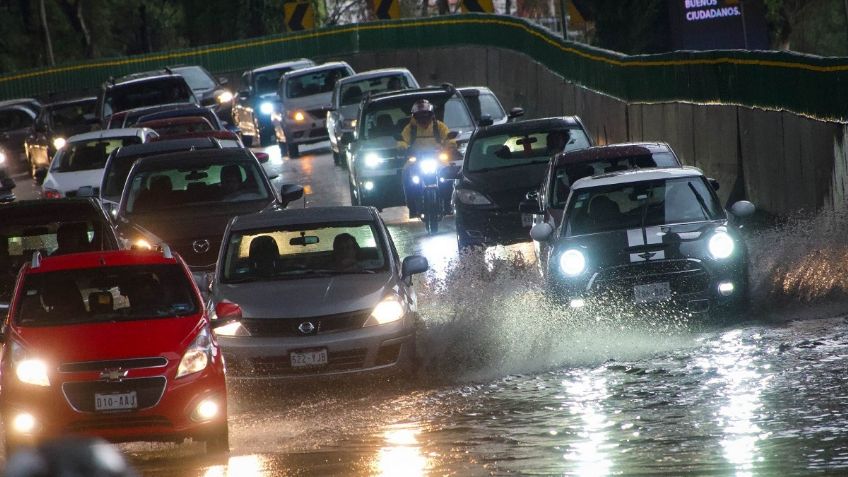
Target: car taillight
point(51, 194)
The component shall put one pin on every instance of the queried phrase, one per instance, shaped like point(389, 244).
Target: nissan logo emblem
point(200, 246)
point(306, 327)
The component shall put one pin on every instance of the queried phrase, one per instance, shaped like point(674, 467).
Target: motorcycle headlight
point(197, 356)
point(389, 310)
point(233, 329)
point(29, 370)
point(721, 245)
point(224, 97)
point(266, 108)
point(572, 262)
point(471, 197)
point(429, 166)
point(373, 160)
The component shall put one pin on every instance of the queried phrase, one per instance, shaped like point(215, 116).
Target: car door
point(15, 125)
point(241, 102)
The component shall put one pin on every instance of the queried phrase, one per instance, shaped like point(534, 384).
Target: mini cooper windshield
point(105, 294)
point(297, 251)
point(640, 204)
point(509, 150)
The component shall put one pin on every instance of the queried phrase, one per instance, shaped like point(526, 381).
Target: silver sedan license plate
point(652, 292)
point(313, 357)
point(115, 402)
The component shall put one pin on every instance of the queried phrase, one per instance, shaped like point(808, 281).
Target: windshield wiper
point(701, 202)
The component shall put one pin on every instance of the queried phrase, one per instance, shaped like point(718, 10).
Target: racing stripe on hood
point(637, 237)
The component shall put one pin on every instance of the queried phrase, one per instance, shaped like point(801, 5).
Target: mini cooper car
point(111, 344)
point(318, 291)
point(648, 236)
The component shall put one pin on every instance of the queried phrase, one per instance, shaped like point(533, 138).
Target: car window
point(485, 104)
point(352, 93)
point(509, 150)
point(172, 187)
point(196, 77)
point(267, 81)
point(632, 205)
point(13, 119)
point(455, 115)
point(568, 174)
point(297, 251)
point(314, 83)
point(148, 93)
point(105, 294)
point(388, 118)
point(70, 114)
point(88, 155)
point(167, 128)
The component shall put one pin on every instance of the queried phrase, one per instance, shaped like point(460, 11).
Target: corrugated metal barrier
point(804, 84)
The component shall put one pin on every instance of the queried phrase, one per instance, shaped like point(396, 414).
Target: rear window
point(147, 93)
point(88, 155)
point(70, 114)
point(105, 294)
point(485, 104)
point(314, 83)
point(509, 150)
point(352, 93)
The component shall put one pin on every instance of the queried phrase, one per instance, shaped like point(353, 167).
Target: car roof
point(154, 75)
point(166, 146)
point(68, 102)
point(172, 110)
point(48, 210)
point(528, 125)
point(19, 102)
point(105, 258)
point(152, 123)
point(225, 138)
point(611, 151)
point(311, 215)
point(285, 64)
point(637, 175)
point(373, 74)
point(109, 133)
point(409, 93)
point(189, 158)
point(471, 90)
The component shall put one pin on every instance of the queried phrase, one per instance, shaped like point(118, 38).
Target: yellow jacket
point(424, 136)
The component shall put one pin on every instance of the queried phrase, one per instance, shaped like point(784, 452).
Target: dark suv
point(141, 90)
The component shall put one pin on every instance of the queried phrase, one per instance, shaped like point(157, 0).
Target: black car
point(375, 162)
point(647, 237)
point(141, 90)
point(186, 199)
point(210, 91)
point(502, 164)
point(257, 99)
point(54, 125)
point(121, 160)
point(17, 117)
point(51, 227)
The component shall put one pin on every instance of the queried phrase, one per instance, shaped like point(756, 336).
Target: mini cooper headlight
point(196, 357)
point(389, 310)
point(721, 245)
point(266, 108)
point(572, 262)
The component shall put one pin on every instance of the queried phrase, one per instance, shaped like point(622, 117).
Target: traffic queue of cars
point(167, 250)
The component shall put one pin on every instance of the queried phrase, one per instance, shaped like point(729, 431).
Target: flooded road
point(512, 384)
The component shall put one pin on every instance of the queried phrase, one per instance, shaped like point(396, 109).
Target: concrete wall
point(781, 161)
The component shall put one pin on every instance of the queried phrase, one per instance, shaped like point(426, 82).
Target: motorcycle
point(427, 185)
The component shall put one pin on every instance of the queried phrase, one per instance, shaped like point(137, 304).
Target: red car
point(111, 344)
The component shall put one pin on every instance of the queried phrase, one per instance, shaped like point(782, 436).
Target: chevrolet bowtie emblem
point(114, 374)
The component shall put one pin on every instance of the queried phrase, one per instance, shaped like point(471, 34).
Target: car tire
point(219, 441)
point(337, 158)
point(293, 151)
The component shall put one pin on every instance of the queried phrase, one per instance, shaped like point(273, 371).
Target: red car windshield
point(105, 294)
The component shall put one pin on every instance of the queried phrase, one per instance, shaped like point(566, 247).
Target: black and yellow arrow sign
point(387, 9)
point(299, 15)
point(483, 6)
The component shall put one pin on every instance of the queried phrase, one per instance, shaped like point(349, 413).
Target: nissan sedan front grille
point(288, 327)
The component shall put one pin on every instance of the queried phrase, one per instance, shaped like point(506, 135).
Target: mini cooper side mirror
point(529, 206)
point(714, 183)
point(743, 208)
point(541, 232)
point(290, 193)
point(412, 265)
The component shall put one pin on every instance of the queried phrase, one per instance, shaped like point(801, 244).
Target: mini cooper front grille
point(684, 277)
point(93, 366)
point(117, 422)
point(80, 394)
point(283, 327)
point(281, 365)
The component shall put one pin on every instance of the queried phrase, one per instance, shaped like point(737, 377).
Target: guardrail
point(804, 84)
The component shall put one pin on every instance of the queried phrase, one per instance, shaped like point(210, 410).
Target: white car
point(77, 168)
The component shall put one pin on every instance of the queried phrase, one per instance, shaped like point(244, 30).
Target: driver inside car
point(345, 252)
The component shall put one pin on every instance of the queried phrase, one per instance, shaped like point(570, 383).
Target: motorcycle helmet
point(422, 107)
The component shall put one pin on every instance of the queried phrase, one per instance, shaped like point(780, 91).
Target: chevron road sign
point(299, 15)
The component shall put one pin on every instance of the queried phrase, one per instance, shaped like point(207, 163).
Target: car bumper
point(478, 226)
point(372, 350)
point(307, 132)
point(170, 419)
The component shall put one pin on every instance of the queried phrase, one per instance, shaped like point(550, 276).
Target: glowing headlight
point(2, 158)
point(233, 329)
point(572, 262)
point(350, 123)
point(266, 108)
point(372, 160)
point(224, 97)
point(721, 245)
point(298, 116)
point(444, 157)
point(142, 244)
point(429, 166)
point(33, 371)
point(24, 423)
point(471, 197)
point(206, 410)
point(196, 357)
point(387, 311)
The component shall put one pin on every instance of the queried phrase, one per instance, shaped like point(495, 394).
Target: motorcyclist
point(423, 131)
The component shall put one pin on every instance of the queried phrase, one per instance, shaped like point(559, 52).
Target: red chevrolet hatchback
point(111, 344)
